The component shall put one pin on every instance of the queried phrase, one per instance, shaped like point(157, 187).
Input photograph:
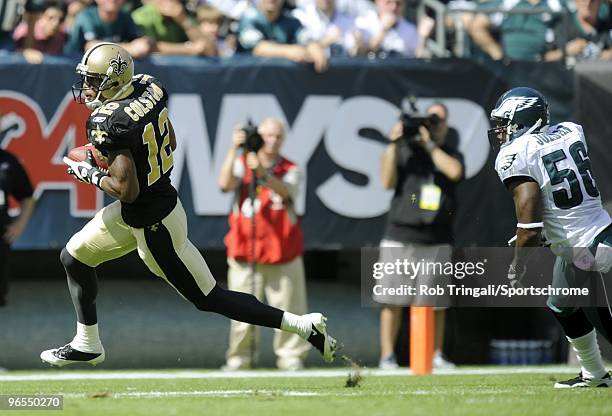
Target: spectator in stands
point(49, 34)
point(525, 37)
point(386, 32)
point(352, 8)
point(234, 9)
point(451, 19)
point(106, 22)
point(331, 29)
point(588, 31)
point(74, 8)
point(278, 245)
point(423, 169)
point(14, 182)
point(172, 29)
point(210, 20)
point(11, 12)
point(269, 32)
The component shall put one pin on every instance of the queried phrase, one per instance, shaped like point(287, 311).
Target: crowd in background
point(311, 30)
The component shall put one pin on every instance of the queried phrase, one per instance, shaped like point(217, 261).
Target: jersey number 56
point(557, 176)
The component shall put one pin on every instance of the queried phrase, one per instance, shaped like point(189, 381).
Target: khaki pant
point(107, 237)
point(284, 288)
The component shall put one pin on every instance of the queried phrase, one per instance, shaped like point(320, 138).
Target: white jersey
point(556, 158)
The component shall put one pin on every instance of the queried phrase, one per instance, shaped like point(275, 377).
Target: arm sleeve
point(512, 162)
point(117, 132)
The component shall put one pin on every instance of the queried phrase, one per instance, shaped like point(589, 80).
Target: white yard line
point(197, 393)
point(262, 393)
point(51, 375)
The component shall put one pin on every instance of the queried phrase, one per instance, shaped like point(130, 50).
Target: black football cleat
point(66, 355)
point(580, 381)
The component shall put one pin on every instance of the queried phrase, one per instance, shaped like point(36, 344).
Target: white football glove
point(515, 276)
point(86, 171)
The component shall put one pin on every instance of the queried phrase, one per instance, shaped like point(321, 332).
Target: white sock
point(296, 324)
point(87, 339)
point(587, 350)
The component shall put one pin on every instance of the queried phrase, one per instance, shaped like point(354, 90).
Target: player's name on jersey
point(547, 138)
point(137, 107)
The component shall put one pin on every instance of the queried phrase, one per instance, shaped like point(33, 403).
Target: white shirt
point(318, 25)
point(557, 160)
point(232, 8)
point(402, 38)
point(352, 8)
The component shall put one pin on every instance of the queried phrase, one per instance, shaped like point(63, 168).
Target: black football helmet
point(518, 111)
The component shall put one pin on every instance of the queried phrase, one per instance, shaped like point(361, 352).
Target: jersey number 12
point(151, 137)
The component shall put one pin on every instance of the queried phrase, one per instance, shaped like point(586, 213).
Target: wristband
point(528, 226)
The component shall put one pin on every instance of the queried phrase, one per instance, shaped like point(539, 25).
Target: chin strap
point(92, 105)
point(536, 126)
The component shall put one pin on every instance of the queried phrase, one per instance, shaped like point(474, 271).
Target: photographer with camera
point(264, 249)
point(422, 163)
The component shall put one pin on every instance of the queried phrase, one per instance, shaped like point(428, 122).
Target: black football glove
point(86, 171)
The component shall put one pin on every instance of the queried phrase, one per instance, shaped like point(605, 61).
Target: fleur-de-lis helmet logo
point(118, 64)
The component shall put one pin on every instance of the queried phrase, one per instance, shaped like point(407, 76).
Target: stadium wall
point(335, 123)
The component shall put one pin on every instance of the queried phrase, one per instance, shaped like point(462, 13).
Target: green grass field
point(314, 393)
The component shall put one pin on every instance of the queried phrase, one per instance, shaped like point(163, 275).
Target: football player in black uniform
point(130, 127)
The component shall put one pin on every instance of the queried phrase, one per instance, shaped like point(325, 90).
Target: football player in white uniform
point(547, 168)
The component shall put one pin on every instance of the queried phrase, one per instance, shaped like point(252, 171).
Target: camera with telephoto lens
point(253, 141)
point(412, 120)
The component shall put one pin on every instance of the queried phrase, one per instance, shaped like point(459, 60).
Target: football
point(79, 154)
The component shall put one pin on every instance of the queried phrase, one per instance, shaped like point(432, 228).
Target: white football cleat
point(66, 355)
point(319, 337)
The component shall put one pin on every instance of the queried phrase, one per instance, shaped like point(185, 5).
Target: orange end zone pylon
point(421, 339)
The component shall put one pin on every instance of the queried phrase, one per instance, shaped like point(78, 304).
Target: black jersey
point(139, 123)
point(13, 181)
